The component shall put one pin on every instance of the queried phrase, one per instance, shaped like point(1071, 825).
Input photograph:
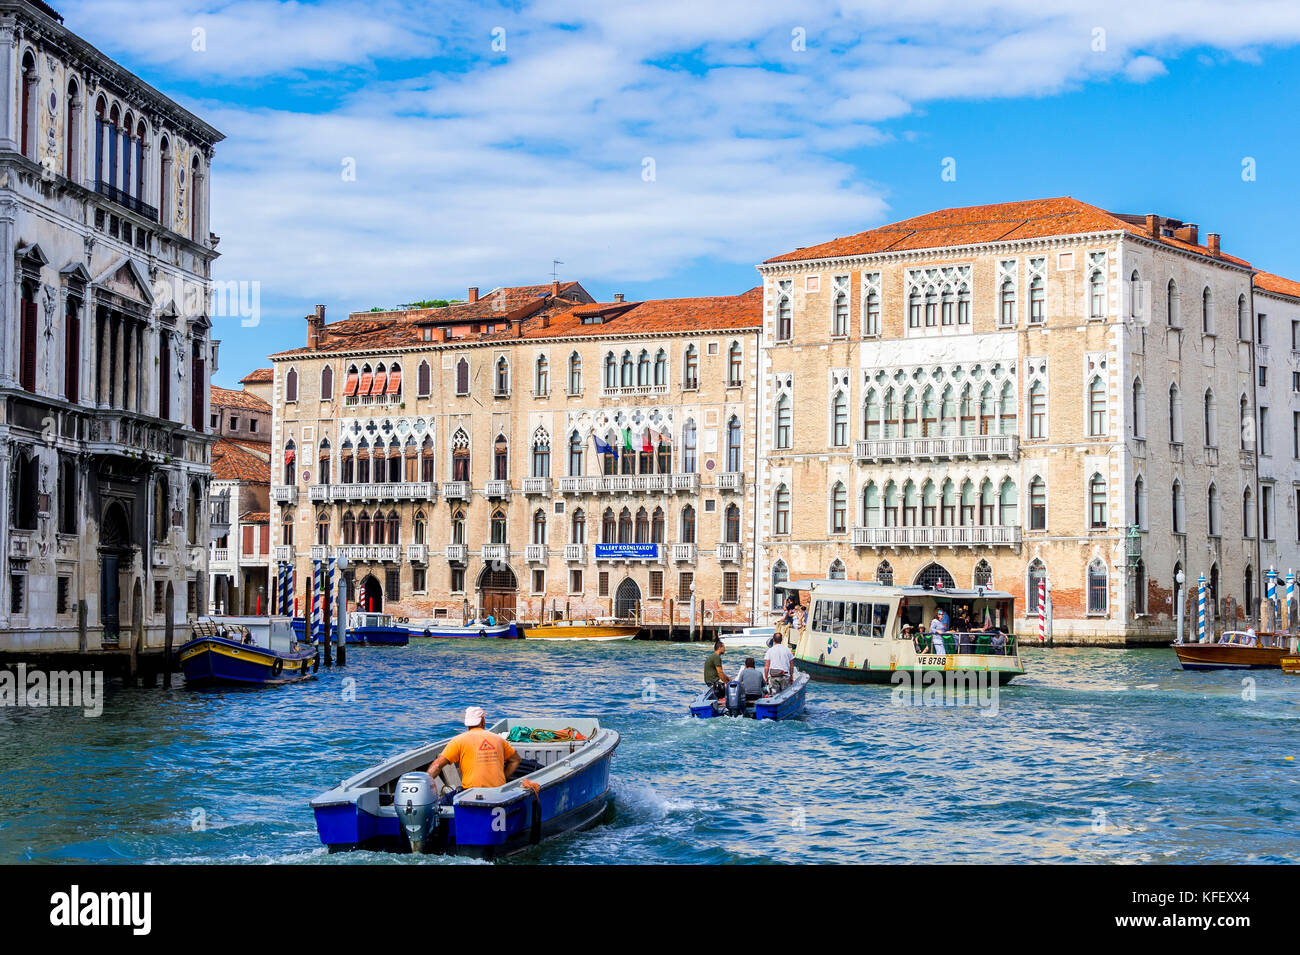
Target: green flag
point(627, 439)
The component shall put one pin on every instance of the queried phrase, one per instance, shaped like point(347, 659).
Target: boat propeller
point(417, 808)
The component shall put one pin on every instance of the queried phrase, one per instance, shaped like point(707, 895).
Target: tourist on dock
point(714, 675)
point(778, 666)
point(751, 681)
point(484, 759)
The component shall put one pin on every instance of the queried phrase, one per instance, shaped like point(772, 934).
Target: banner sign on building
point(627, 551)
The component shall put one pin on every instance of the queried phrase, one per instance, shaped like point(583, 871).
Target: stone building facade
point(105, 346)
point(998, 394)
point(239, 502)
point(452, 455)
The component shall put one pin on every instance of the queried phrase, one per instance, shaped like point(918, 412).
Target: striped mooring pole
point(286, 606)
point(1042, 610)
point(1200, 609)
point(1270, 594)
point(317, 627)
point(1290, 596)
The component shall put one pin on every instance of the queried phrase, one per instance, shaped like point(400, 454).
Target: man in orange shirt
point(485, 760)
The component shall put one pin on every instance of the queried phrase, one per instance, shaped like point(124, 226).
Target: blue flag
point(602, 447)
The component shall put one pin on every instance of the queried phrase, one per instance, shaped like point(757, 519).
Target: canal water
point(1094, 756)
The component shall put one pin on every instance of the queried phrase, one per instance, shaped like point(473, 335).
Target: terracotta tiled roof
point(258, 376)
point(231, 462)
point(1000, 222)
point(228, 398)
point(255, 517)
point(1268, 282)
point(712, 313)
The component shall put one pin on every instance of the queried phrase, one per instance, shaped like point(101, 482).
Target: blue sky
point(767, 128)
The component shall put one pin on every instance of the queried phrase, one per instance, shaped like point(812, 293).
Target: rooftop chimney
point(1153, 226)
point(316, 327)
point(1213, 238)
point(472, 295)
point(555, 287)
point(1187, 232)
point(546, 321)
point(618, 296)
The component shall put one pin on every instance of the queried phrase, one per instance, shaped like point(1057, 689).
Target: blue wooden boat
point(472, 630)
point(229, 654)
point(397, 807)
point(785, 705)
point(372, 629)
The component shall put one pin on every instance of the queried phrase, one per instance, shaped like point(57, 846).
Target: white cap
point(474, 715)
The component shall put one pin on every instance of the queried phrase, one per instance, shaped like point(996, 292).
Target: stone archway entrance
point(498, 588)
point(114, 551)
point(627, 600)
point(370, 598)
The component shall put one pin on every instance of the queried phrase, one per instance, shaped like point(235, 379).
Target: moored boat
point(364, 628)
point(1237, 650)
point(749, 637)
point(223, 652)
point(785, 705)
point(397, 807)
point(601, 629)
point(862, 632)
point(1291, 664)
point(473, 630)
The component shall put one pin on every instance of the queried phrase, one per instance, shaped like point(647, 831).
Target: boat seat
point(450, 776)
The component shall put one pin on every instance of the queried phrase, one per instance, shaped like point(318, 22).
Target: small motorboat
point(397, 807)
point(785, 705)
point(1237, 650)
point(473, 630)
point(602, 629)
point(223, 651)
point(1291, 665)
point(364, 628)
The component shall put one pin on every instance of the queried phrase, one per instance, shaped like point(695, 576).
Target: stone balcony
point(456, 490)
point(729, 553)
point(282, 552)
point(629, 484)
point(284, 494)
point(950, 448)
point(496, 553)
point(537, 485)
point(371, 553)
point(220, 555)
point(682, 553)
point(536, 553)
point(318, 552)
point(417, 553)
point(457, 553)
point(575, 553)
point(973, 535)
point(374, 491)
point(634, 391)
point(730, 481)
point(497, 488)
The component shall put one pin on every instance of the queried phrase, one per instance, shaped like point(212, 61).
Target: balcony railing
point(285, 494)
point(730, 481)
point(683, 553)
point(220, 555)
point(456, 490)
point(136, 205)
point(457, 553)
point(375, 491)
point(972, 535)
point(496, 552)
point(497, 488)
point(319, 551)
point(417, 553)
point(537, 485)
point(371, 552)
point(578, 485)
point(629, 484)
point(937, 449)
point(729, 553)
point(575, 553)
point(686, 482)
point(633, 391)
point(536, 553)
point(283, 552)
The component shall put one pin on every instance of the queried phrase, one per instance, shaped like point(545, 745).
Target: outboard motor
point(735, 699)
point(417, 808)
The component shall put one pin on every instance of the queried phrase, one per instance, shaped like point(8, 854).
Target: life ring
point(277, 667)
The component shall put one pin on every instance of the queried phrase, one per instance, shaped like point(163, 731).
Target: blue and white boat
point(373, 629)
point(474, 630)
point(560, 786)
point(785, 705)
point(239, 651)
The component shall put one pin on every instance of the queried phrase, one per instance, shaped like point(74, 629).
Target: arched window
point(289, 454)
point(688, 446)
point(691, 369)
point(1247, 513)
point(363, 528)
point(661, 367)
point(1008, 503)
point(1037, 575)
point(643, 368)
point(733, 444)
point(1210, 419)
point(501, 380)
point(30, 85)
point(937, 576)
point(1097, 501)
point(626, 372)
point(578, 527)
point(575, 374)
point(72, 142)
point(426, 460)
point(731, 524)
point(871, 505)
point(781, 510)
point(782, 424)
point(836, 571)
point(839, 508)
point(323, 457)
point(196, 202)
point(1207, 312)
point(291, 385)
point(735, 365)
point(418, 527)
point(501, 458)
point(1037, 409)
point(394, 528)
point(642, 526)
point(1243, 320)
point(688, 524)
point(885, 573)
point(983, 575)
point(462, 376)
point(1007, 303)
point(871, 320)
point(541, 453)
point(657, 526)
point(576, 446)
point(1037, 301)
point(1097, 295)
point(326, 383)
point(1171, 304)
point(780, 574)
point(1139, 503)
point(1175, 415)
point(1247, 425)
point(423, 380)
point(1176, 506)
point(840, 314)
point(460, 470)
point(1212, 510)
point(1007, 410)
point(608, 527)
point(458, 526)
point(1135, 302)
point(840, 420)
point(784, 314)
point(1097, 407)
point(539, 526)
point(498, 526)
point(1139, 409)
point(349, 527)
point(611, 372)
point(1037, 504)
point(541, 376)
point(1098, 588)
point(323, 528)
point(1139, 587)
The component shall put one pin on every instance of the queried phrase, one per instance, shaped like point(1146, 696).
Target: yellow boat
point(602, 629)
point(1291, 665)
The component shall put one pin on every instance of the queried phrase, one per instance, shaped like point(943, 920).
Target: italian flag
point(627, 440)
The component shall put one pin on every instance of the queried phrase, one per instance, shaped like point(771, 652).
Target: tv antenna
point(555, 269)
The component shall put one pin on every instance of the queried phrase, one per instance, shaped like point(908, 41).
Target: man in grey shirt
point(751, 680)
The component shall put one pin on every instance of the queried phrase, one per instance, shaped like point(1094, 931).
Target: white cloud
point(1143, 68)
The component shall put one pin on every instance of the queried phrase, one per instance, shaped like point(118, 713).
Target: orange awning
point(350, 388)
point(365, 383)
point(395, 381)
point(378, 387)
